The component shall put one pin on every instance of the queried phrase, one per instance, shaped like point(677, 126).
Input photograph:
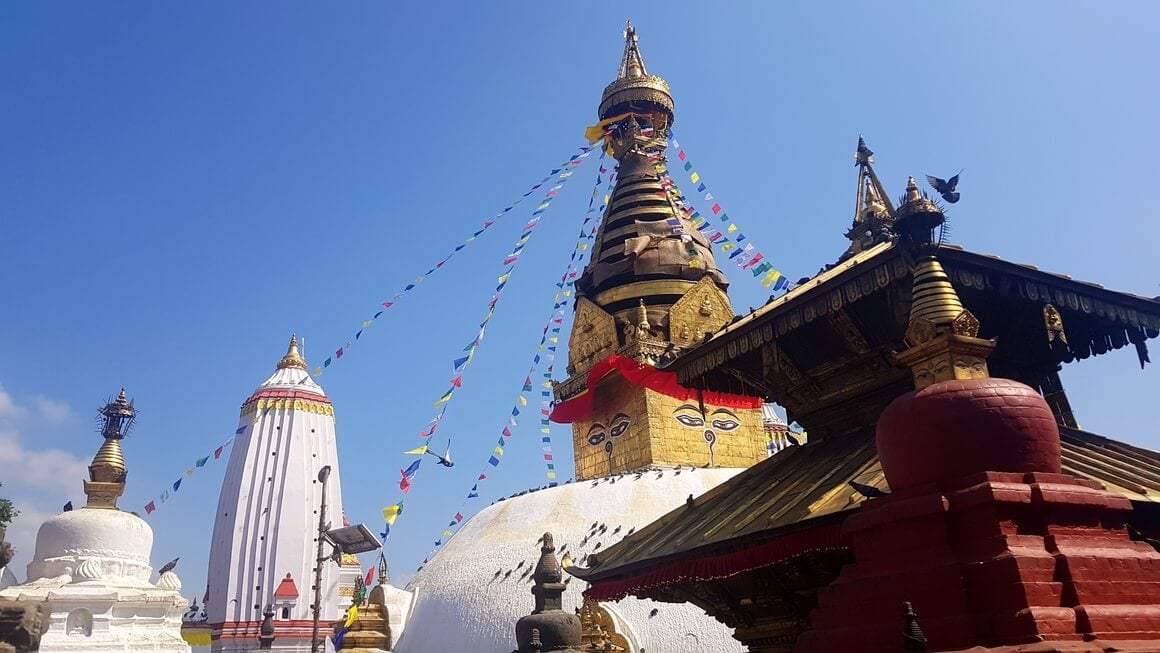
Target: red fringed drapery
point(647, 376)
point(721, 566)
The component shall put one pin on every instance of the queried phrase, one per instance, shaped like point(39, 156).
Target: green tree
point(7, 514)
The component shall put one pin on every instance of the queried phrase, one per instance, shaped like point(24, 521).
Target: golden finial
point(942, 337)
point(292, 357)
point(632, 63)
point(912, 192)
point(634, 90)
point(934, 298)
point(107, 472)
point(642, 318)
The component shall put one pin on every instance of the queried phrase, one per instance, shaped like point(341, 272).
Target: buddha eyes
point(618, 428)
point(725, 424)
point(690, 420)
point(596, 438)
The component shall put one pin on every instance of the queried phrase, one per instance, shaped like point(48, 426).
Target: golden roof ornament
point(292, 359)
point(107, 472)
point(942, 337)
point(635, 86)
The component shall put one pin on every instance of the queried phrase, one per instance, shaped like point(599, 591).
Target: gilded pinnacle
point(292, 358)
point(934, 298)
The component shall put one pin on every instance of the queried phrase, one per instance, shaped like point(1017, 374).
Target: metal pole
point(319, 559)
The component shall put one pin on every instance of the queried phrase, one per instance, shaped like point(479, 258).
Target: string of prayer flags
point(151, 506)
point(510, 262)
point(729, 238)
point(545, 353)
point(488, 224)
point(408, 474)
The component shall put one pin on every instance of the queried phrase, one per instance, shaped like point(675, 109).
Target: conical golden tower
point(107, 472)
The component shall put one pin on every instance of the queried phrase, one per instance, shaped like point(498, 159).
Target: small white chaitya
point(264, 543)
point(91, 566)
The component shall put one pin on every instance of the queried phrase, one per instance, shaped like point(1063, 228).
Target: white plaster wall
point(267, 516)
point(459, 605)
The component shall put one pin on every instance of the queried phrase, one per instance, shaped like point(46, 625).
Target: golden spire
point(107, 472)
point(912, 193)
point(292, 357)
point(631, 63)
point(942, 337)
point(933, 297)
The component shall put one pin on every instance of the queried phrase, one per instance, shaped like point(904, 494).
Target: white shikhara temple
point(264, 538)
point(91, 566)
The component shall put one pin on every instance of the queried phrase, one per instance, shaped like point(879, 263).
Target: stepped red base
point(998, 561)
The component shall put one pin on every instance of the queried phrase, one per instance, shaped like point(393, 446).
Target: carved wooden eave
point(825, 349)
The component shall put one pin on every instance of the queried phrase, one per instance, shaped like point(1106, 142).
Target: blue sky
point(183, 186)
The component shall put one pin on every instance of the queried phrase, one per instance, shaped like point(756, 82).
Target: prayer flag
point(370, 577)
point(405, 485)
point(411, 469)
point(189, 472)
point(202, 461)
point(391, 513)
point(694, 177)
point(150, 507)
point(753, 261)
point(701, 188)
point(507, 432)
point(481, 477)
point(459, 363)
point(240, 430)
point(176, 484)
point(217, 453)
point(716, 209)
point(458, 517)
point(445, 398)
point(499, 451)
point(386, 532)
point(164, 498)
point(493, 461)
point(523, 400)
point(417, 451)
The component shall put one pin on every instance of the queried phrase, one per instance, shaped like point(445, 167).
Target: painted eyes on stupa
point(691, 421)
point(726, 424)
point(620, 424)
point(596, 434)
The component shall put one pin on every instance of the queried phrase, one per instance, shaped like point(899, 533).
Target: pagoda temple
point(947, 498)
point(264, 545)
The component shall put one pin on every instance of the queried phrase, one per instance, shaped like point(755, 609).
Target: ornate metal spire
point(942, 335)
point(632, 63)
point(292, 358)
point(107, 472)
point(873, 212)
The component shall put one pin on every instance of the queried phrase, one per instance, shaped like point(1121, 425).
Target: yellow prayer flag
point(553, 340)
point(595, 132)
point(189, 472)
point(499, 451)
point(318, 371)
point(551, 475)
point(504, 277)
point(694, 177)
point(545, 431)
point(732, 228)
point(351, 616)
point(367, 323)
point(770, 277)
point(583, 247)
point(446, 533)
point(391, 513)
point(727, 246)
point(523, 401)
point(417, 451)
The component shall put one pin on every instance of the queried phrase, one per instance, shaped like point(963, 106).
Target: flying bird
point(445, 459)
point(946, 187)
point(868, 491)
point(169, 566)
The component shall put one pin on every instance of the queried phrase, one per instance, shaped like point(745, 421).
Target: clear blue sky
point(183, 186)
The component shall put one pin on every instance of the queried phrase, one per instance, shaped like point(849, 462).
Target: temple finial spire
point(632, 63)
point(107, 472)
point(292, 357)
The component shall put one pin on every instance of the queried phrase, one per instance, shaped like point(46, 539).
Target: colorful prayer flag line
point(488, 224)
point(188, 473)
point(747, 257)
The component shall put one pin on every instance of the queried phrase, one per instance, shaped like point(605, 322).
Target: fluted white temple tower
point(264, 537)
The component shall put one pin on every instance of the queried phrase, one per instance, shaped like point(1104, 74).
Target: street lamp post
point(319, 559)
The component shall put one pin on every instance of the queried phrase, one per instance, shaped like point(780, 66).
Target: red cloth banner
point(647, 376)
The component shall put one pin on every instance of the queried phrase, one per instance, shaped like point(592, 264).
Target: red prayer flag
point(458, 517)
point(150, 507)
point(217, 453)
point(547, 456)
point(457, 381)
point(388, 304)
point(370, 577)
point(681, 155)
point(716, 209)
point(405, 484)
point(481, 477)
point(338, 354)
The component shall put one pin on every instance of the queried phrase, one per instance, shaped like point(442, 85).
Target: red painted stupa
point(993, 546)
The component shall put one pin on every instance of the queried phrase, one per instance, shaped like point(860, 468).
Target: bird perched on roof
point(652, 613)
point(946, 187)
point(169, 566)
point(868, 491)
point(68, 507)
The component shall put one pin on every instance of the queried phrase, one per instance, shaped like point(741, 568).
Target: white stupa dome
point(119, 542)
point(463, 602)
